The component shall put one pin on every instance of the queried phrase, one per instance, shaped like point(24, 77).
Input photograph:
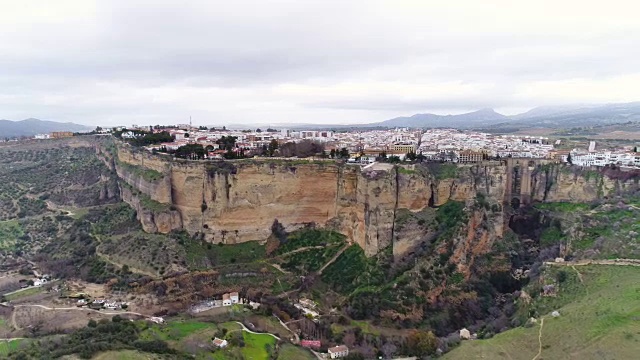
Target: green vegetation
point(113, 219)
point(10, 232)
point(450, 217)
point(551, 236)
point(144, 138)
point(291, 352)
point(311, 260)
point(562, 206)
point(309, 237)
point(150, 204)
point(29, 176)
point(203, 255)
point(257, 346)
point(174, 330)
point(598, 319)
point(23, 293)
point(443, 171)
point(7, 347)
point(105, 335)
point(343, 273)
point(145, 173)
point(406, 171)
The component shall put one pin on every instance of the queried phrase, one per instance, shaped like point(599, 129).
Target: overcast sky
point(268, 62)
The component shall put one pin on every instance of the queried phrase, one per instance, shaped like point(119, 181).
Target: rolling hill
point(30, 127)
point(599, 319)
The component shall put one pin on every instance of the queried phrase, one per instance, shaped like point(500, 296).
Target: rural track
point(15, 324)
point(539, 340)
point(621, 262)
point(334, 258)
point(299, 250)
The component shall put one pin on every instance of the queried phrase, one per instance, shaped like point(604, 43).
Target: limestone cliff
point(237, 201)
point(154, 217)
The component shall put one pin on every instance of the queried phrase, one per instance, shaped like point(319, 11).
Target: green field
point(256, 346)
point(290, 352)
point(600, 319)
point(176, 330)
point(23, 293)
point(8, 346)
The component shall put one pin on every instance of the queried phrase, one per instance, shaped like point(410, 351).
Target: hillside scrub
point(598, 318)
point(145, 173)
point(104, 335)
point(309, 237)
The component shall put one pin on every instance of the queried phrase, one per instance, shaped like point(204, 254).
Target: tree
point(258, 130)
point(344, 153)
point(411, 156)
point(569, 159)
point(190, 151)
point(332, 153)
point(635, 149)
point(227, 142)
point(273, 146)
point(421, 343)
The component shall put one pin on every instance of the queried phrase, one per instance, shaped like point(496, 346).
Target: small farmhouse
point(339, 351)
point(226, 300)
point(220, 343)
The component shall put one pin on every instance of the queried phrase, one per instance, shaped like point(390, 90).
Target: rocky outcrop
point(154, 217)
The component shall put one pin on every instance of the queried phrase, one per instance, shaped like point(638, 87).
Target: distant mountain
point(578, 116)
point(483, 117)
point(566, 116)
point(30, 127)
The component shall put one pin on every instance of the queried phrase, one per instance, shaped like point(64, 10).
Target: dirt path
point(627, 262)
point(295, 335)
point(333, 258)
point(132, 269)
point(277, 266)
point(299, 250)
point(539, 339)
point(15, 324)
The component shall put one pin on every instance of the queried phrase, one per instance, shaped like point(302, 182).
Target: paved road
point(253, 332)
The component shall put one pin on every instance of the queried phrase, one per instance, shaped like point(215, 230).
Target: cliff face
point(232, 202)
point(152, 217)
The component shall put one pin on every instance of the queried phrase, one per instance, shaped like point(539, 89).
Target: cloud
point(122, 62)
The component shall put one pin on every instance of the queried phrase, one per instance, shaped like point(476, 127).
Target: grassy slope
point(601, 321)
point(128, 355)
point(6, 347)
point(255, 345)
point(290, 352)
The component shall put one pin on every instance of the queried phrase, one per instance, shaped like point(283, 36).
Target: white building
point(226, 300)
point(339, 351)
point(220, 343)
point(235, 298)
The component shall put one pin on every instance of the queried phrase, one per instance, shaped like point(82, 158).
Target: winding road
point(253, 332)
